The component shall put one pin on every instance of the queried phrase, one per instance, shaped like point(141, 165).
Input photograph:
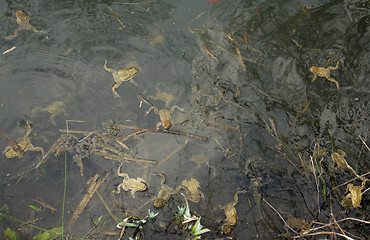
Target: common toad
point(162, 96)
point(130, 183)
point(355, 195)
point(229, 209)
point(194, 194)
point(338, 158)
point(24, 144)
point(324, 72)
point(164, 115)
point(56, 108)
point(164, 193)
point(120, 76)
point(23, 22)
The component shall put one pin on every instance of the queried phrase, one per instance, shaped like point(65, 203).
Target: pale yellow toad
point(354, 194)
point(24, 145)
point(324, 72)
point(23, 22)
point(164, 115)
point(56, 108)
point(120, 76)
point(193, 193)
point(130, 183)
point(164, 193)
point(229, 209)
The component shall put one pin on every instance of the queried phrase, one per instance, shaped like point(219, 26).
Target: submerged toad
point(162, 96)
point(324, 72)
point(23, 22)
point(229, 209)
point(164, 115)
point(120, 76)
point(24, 145)
point(193, 193)
point(164, 193)
point(130, 183)
point(56, 108)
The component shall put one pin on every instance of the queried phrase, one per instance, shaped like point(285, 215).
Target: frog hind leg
point(36, 30)
point(114, 89)
point(13, 35)
point(334, 81)
point(40, 149)
point(107, 68)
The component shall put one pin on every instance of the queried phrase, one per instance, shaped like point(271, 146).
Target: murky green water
point(262, 124)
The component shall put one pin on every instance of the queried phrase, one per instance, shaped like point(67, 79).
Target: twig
point(106, 206)
point(167, 157)
point(285, 223)
point(210, 53)
point(360, 177)
point(94, 185)
point(115, 14)
point(364, 143)
point(240, 59)
point(317, 184)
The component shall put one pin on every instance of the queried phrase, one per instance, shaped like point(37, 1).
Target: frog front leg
point(36, 30)
point(333, 68)
point(174, 107)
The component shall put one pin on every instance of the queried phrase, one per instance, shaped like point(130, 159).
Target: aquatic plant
point(186, 220)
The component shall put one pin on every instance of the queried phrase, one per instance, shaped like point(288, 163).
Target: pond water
point(253, 119)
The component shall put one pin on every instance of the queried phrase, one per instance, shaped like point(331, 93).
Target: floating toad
point(120, 76)
point(162, 96)
point(324, 72)
point(164, 115)
point(164, 193)
point(355, 195)
point(56, 108)
point(24, 144)
point(130, 183)
point(23, 24)
point(192, 186)
point(230, 210)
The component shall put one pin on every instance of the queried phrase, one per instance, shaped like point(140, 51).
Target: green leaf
point(202, 231)
point(11, 235)
point(55, 232)
point(151, 214)
point(34, 207)
point(42, 236)
point(127, 224)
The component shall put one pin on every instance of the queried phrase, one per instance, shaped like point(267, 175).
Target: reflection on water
point(240, 70)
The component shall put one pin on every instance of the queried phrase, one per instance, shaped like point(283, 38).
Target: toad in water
point(164, 193)
point(23, 22)
point(164, 115)
point(130, 183)
point(324, 72)
point(229, 209)
point(24, 145)
point(120, 76)
point(162, 96)
point(193, 193)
